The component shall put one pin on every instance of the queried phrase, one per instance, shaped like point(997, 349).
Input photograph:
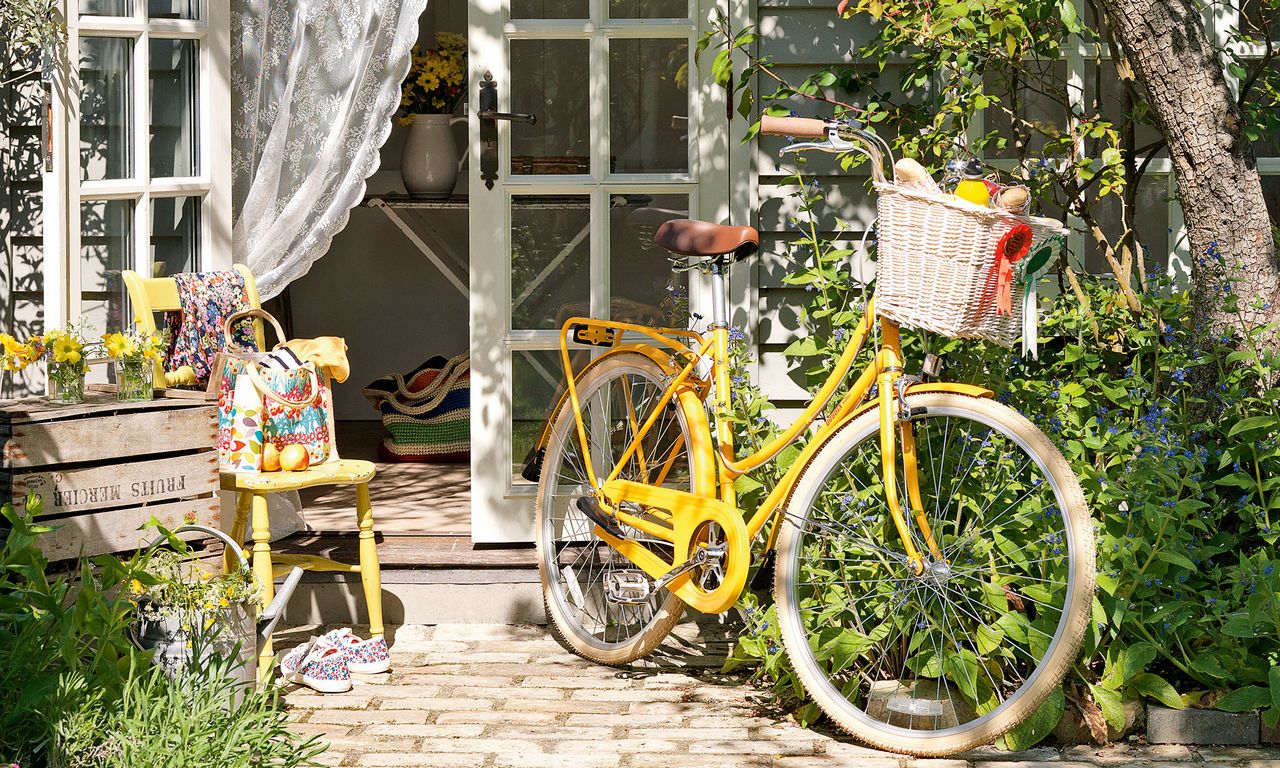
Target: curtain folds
point(314, 86)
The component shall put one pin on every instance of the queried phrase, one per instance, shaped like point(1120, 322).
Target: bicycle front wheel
point(951, 658)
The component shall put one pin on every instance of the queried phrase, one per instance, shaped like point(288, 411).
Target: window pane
point(649, 105)
point(549, 79)
point(642, 286)
point(1114, 105)
point(173, 96)
point(1149, 218)
point(648, 9)
point(1258, 21)
point(550, 260)
point(175, 235)
point(1039, 103)
point(173, 9)
point(105, 228)
point(104, 108)
point(535, 389)
point(106, 7)
point(549, 9)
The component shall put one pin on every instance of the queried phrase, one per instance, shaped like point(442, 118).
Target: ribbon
point(1030, 270)
point(1012, 247)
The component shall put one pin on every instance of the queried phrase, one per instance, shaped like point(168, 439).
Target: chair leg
point(370, 571)
point(264, 574)
point(229, 559)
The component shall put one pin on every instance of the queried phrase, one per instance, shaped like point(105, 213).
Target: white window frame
point(64, 192)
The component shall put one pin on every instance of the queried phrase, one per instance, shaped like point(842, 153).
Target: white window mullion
point(140, 149)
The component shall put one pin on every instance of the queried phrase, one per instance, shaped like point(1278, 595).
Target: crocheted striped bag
point(427, 411)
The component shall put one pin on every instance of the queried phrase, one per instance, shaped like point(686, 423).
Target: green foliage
point(160, 724)
point(75, 692)
point(31, 28)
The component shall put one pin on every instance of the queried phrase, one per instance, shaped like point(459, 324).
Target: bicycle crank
point(633, 587)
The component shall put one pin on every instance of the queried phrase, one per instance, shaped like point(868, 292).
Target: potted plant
point(436, 83)
point(194, 615)
point(135, 354)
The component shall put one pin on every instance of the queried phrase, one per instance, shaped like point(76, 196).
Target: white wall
point(374, 288)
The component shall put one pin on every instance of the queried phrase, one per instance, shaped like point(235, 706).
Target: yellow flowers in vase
point(135, 354)
point(437, 80)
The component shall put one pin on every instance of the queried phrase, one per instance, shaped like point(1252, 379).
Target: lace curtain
point(314, 84)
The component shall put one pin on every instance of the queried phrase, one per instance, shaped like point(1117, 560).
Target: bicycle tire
point(557, 600)
point(875, 718)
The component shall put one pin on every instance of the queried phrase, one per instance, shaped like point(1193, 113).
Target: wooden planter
point(104, 468)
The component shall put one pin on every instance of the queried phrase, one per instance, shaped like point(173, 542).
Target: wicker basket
point(936, 267)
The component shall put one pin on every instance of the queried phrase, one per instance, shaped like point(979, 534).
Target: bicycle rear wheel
point(950, 659)
point(616, 395)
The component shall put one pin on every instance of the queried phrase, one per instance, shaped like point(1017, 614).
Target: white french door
point(627, 132)
point(140, 173)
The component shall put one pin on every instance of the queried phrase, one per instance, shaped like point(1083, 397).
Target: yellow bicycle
point(934, 563)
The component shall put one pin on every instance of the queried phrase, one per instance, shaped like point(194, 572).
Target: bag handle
point(252, 370)
point(263, 314)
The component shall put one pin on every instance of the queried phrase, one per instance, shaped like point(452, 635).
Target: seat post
point(716, 270)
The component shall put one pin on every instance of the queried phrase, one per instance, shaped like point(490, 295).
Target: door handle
point(489, 117)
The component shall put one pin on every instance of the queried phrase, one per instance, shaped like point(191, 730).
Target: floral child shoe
point(319, 665)
point(364, 657)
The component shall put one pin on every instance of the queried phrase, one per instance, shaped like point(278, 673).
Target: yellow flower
point(67, 350)
point(205, 575)
point(135, 586)
point(117, 345)
point(224, 602)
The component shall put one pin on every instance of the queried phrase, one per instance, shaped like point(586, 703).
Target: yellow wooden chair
point(151, 295)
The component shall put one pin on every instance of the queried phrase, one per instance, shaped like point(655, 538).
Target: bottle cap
point(973, 169)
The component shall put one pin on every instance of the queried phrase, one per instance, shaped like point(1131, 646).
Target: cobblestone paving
point(496, 696)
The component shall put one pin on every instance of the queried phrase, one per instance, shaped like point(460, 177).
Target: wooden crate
point(104, 468)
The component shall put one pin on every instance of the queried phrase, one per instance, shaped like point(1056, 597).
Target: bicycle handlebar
point(799, 127)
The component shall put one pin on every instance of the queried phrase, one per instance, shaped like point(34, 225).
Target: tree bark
point(1213, 163)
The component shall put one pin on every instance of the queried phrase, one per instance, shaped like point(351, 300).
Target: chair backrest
point(150, 295)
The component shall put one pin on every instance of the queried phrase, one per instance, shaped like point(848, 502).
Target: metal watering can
point(234, 634)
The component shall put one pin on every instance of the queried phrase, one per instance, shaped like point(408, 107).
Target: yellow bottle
point(971, 186)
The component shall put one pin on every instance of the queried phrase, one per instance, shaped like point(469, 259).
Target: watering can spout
point(271, 615)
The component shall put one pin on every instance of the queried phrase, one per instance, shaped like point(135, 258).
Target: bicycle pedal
point(627, 587)
point(590, 506)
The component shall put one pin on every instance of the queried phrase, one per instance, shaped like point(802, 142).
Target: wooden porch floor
point(407, 498)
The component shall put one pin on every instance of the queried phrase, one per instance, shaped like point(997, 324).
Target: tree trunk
point(1214, 165)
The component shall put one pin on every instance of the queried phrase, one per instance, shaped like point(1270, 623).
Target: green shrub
point(75, 693)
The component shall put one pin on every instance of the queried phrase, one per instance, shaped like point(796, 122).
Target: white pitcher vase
point(429, 162)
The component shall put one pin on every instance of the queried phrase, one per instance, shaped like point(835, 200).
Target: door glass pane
point(175, 235)
point(173, 9)
point(648, 9)
point(642, 287)
point(106, 7)
point(104, 108)
point(550, 260)
point(549, 9)
point(105, 227)
point(173, 95)
point(535, 389)
point(549, 78)
point(649, 105)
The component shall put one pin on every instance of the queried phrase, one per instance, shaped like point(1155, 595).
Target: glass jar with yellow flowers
point(437, 81)
point(64, 353)
point(134, 354)
point(16, 355)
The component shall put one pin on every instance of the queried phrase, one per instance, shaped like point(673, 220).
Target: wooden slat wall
point(801, 37)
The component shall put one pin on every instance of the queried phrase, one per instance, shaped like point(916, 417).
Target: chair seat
point(341, 472)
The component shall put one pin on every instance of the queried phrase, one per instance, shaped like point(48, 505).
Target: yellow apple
point(270, 458)
point(294, 458)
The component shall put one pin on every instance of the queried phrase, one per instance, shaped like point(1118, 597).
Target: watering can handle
point(214, 532)
point(272, 613)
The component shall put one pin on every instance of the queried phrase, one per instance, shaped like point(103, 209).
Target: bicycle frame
point(714, 499)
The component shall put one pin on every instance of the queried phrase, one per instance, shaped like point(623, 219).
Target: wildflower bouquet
point(135, 353)
point(16, 355)
point(185, 589)
point(64, 351)
point(437, 80)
